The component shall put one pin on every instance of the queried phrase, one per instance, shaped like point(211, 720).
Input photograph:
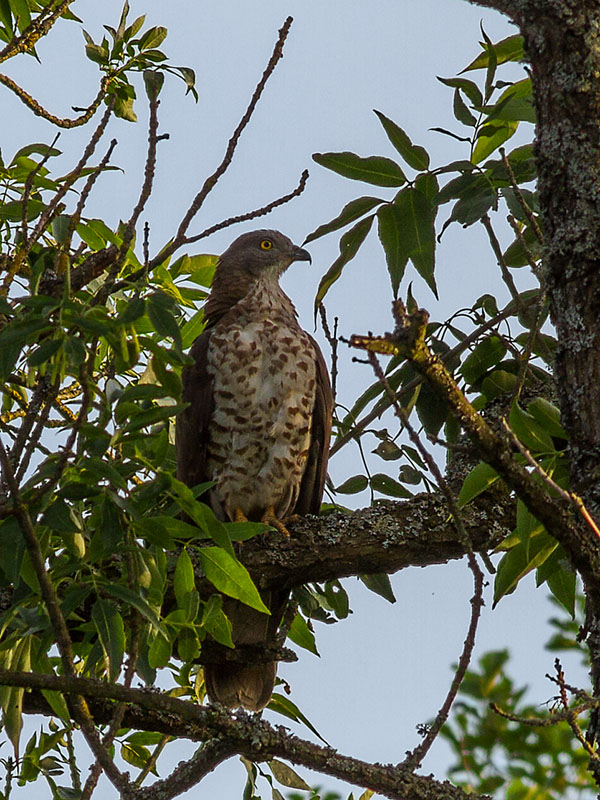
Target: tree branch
point(255, 739)
point(386, 537)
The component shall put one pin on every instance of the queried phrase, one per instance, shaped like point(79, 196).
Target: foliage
point(96, 530)
point(493, 753)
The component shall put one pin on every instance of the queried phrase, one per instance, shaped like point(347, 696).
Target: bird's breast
point(264, 379)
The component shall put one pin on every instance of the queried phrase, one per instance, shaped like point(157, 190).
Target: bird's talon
point(270, 518)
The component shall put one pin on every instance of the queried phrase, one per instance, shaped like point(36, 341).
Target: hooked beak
point(299, 254)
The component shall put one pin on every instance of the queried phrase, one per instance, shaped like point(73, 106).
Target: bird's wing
point(192, 427)
point(313, 480)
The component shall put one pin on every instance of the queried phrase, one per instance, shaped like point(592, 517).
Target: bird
point(257, 424)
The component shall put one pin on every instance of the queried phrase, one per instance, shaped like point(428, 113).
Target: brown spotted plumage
point(258, 424)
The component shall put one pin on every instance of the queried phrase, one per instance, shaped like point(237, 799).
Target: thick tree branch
point(386, 537)
point(255, 739)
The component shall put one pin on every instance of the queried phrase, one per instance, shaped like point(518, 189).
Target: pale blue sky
point(387, 668)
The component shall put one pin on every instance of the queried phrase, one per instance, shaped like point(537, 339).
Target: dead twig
point(414, 758)
point(211, 181)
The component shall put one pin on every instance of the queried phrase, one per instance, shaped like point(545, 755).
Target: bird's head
point(261, 254)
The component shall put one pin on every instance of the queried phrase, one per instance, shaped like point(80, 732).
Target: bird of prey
point(258, 425)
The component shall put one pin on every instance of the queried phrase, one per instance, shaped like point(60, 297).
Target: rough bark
point(562, 42)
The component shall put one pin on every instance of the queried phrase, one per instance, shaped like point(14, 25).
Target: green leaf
point(548, 416)
point(376, 170)
point(509, 49)
point(136, 755)
point(12, 548)
point(128, 596)
point(123, 108)
point(480, 478)
point(283, 705)
point(111, 632)
point(515, 254)
point(563, 585)
point(489, 352)
point(159, 653)
point(242, 531)
point(427, 184)
point(461, 111)
point(148, 417)
point(162, 530)
point(36, 147)
point(414, 155)
point(349, 246)
point(96, 53)
point(497, 383)
point(286, 775)
point(153, 82)
point(215, 621)
point(491, 136)
point(230, 577)
point(20, 661)
point(519, 561)
point(380, 584)
point(529, 431)
point(468, 87)
point(432, 410)
point(161, 310)
point(188, 644)
point(351, 211)
point(387, 485)
point(12, 211)
point(302, 635)
point(153, 38)
point(44, 352)
point(353, 485)
point(415, 219)
point(515, 103)
point(192, 329)
point(528, 526)
point(183, 579)
point(394, 245)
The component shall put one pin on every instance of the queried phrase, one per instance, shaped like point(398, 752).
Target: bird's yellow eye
point(266, 244)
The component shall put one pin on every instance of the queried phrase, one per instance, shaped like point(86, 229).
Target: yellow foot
point(270, 518)
point(239, 516)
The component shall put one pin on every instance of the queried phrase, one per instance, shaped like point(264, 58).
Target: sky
point(387, 668)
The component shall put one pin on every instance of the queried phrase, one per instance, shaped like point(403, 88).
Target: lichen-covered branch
point(255, 739)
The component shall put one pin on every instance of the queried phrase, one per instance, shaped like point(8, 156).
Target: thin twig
point(570, 497)
point(544, 722)
point(53, 205)
point(40, 111)
point(144, 195)
point(333, 344)
point(526, 249)
point(29, 183)
point(414, 759)
point(151, 762)
point(519, 195)
point(259, 212)
point(211, 181)
point(571, 717)
point(146, 246)
point(83, 198)
point(506, 276)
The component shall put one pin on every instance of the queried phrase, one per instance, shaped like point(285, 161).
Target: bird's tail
point(234, 685)
point(248, 683)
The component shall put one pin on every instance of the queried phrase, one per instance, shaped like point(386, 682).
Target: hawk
point(258, 425)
